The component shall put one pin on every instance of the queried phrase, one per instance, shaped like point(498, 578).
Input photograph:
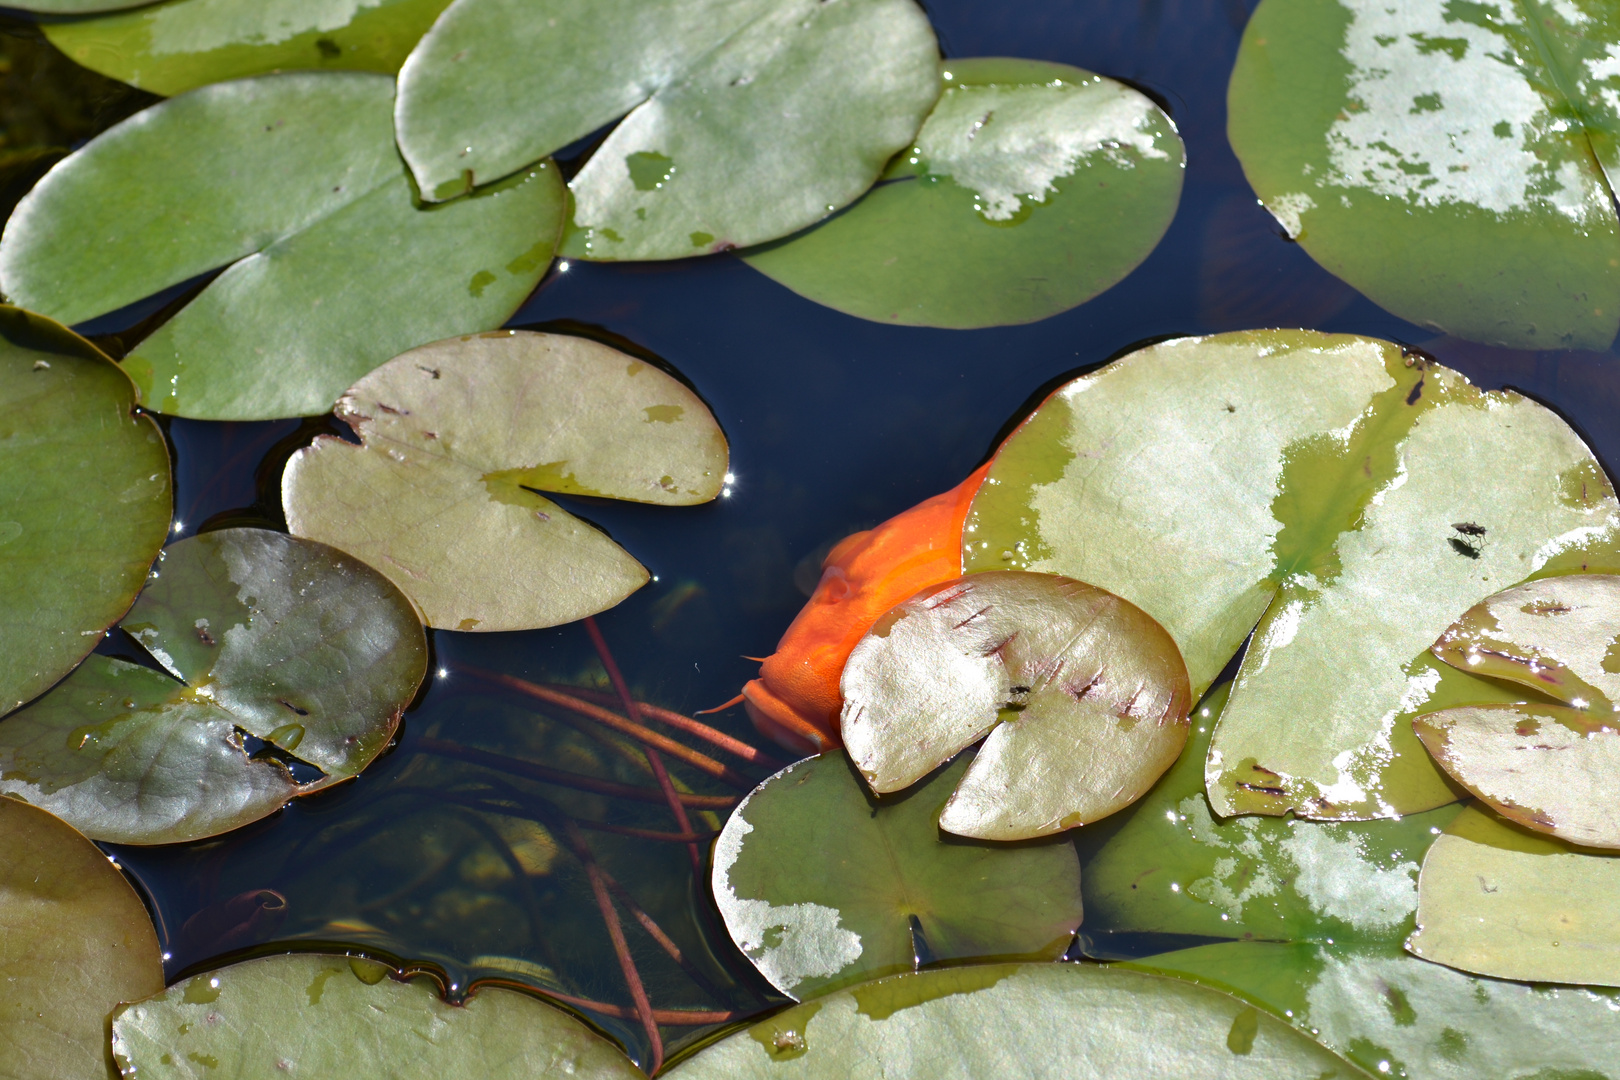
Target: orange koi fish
point(795, 700)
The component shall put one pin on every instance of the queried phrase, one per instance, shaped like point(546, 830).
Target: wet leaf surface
point(179, 45)
point(1086, 1020)
point(1325, 488)
point(1497, 900)
point(1454, 162)
point(748, 119)
point(822, 886)
point(75, 940)
point(1031, 188)
point(293, 184)
point(1084, 699)
point(458, 440)
point(84, 501)
point(312, 1015)
point(291, 642)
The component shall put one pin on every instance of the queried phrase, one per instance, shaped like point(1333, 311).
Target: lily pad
point(292, 182)
point(1031, 188)
point(179, 45)
point(1325, 487)
point(1453, 161)
point(287, 640)
point(75, 940)
point(821, 886)
point(748, 119)
point(73, 7)
point(84, 486)
point(1497, 900)
point(459, 438)
point(1074, 1020)
point(311, 1015)
point(1084, 699)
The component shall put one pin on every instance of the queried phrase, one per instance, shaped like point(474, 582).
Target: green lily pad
point(179, 45)
point(84, 501)
point(75, 940)
point(1453, 161)
point(1031, 188)
point(1325, 488)
point(1499, 901)
point(311, 1015)
point(748, 119)
point(459, 438)
point(1084, 699)
point(293, 183)
point(1074, 1020)
point(1395, 1015)
point(821, 886)
point(287, 640)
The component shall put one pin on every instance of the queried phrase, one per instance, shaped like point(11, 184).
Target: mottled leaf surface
point(312, 1015)
point(748, 119)
point(84, 501)
point(291, 184)
point(820, 885)
point(459, 438)
point(1453, 161)
point(1084, 699)
point(1323, 491)
point(1497, 900)
point(283, 639)
point(179, 45)
point(1074, 1020)
point(75, 940)
point(1031, 188)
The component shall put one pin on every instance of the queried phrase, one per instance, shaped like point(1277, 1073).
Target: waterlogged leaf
point(179, 45)
point(1497, 900)
point(1326, 488)
point(748, 119)
point(822, 886)
point(1031, 188)
point(1090, 694)
point(286, 640)
point(293, 183)
point(75, 940)
point(1453, 161)
point(84, 501)
point(1395, 1015)
point(311, 1015)
point(1173, 868)
point(458, 440)
point(1074, 1020)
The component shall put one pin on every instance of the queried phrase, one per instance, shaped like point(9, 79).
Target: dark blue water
point(835, 424)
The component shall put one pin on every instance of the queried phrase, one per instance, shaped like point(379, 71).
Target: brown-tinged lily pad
point(1083, 696)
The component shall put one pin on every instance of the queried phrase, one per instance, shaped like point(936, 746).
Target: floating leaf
point(287, 640)
point(84, 501)
point(294, 181)
point(1077, 1020)
point(179, 45)
point(75, 940)
point(311, 1015)
point(1091, 696)
point(822, 886)
point(73, 7)
point(458, 439)
point(1447, 159)
point(1325, 487)
point(1503, 902)
point(1031, 188)
point(748, 119)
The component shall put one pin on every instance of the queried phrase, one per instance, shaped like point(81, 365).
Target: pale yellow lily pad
point(1498, 901)
point(1083, 696)
point(458, 439)
point(75, 940)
